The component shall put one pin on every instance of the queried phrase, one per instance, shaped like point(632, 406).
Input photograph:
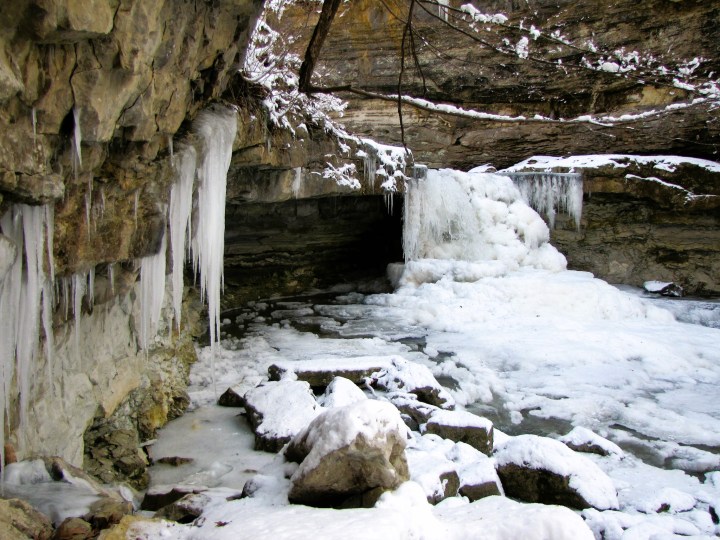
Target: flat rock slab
point(278, 410)
point(319, 373)
point(540, 469)
point(462, 426)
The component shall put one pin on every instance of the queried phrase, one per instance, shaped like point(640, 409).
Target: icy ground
point(486, 305)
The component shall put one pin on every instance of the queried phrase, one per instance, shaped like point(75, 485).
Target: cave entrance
point(294, 246)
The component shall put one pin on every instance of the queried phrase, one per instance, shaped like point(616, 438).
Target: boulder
point(278, 410)
point(462, 426)
point(230, 398)
point(107, 512)
point(348, 456)
point(74, 529)
point(413, 411)
point(478, 477)
point(663, 288)
point(185, 509)
point(540, 469)
point(405, 376)
point(20, 521)
point(341, 392)
point(582, 439)
point(158, 497)
point(436, 474)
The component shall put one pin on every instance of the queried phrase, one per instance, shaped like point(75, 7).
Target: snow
point(341, 392)
point(660, 162)
point(581, 436)
point(550, 455)
point(460, 419)
point(655, 286)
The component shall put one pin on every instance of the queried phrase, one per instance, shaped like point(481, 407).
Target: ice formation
point(25, 301)
point(152, 292)
point(217, 129)
point(549, 193)
point(471, 225)
point(180, 220)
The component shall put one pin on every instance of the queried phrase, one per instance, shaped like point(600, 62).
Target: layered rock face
point(92, 95)
point(363, 49)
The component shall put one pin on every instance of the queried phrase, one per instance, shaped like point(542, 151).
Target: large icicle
point(217, 130)
point(152, 292)
point(549, 193)
point(180, 214)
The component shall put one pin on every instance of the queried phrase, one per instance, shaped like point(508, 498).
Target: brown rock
point(20, 521)
point(462, 426)
point(230, 398)
point(107, 512)
point(74, 529)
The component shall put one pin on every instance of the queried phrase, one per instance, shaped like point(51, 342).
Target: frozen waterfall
point(471, 225)
point(550, 193)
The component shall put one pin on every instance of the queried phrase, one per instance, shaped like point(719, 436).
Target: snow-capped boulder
point(461, 426)
point(540, 469)
point(341, 392)
point(349, 455)
point(582, 439)
point(663, 288)
point(278, 410)
point(436, 474)
point(479, 480)
point(405, 376)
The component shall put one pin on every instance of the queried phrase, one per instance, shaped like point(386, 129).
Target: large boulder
point(341, 392)
point(540, 469)
point(278, 410)
point(349, 455)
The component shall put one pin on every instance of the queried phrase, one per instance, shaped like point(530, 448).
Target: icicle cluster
point(26, 301)
point(550, 193)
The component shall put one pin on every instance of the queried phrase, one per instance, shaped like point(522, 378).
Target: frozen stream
point(513, 337)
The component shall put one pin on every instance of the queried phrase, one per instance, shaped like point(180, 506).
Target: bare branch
point(312, 53)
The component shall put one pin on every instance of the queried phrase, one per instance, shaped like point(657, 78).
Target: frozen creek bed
point(534, 351)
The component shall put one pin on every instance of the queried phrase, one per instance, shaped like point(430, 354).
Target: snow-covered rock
point(540, 469)
point(341, 392)
point(349, 455)
point(413, 411)
point(278, 410)
point(582, 439)
point(663, 288)
point(405, 376)
point(462, 426)
point(436, 474)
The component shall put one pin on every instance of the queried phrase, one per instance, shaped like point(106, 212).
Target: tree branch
point(312, 53)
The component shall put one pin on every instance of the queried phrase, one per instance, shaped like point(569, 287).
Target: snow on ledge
point(664, 163)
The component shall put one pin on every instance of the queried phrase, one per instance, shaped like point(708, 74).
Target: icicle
point(170, 147)
point(77, 135)
point(549, 193)
point(217, 130)
point(297, 182)
point(21, 296)
point(88, 206)
point(137, 197)
point(152, 292)
point(111, 277)
point(47, 309)
point(33, 115)
point(389, 201)
point(180, 214)
point(91, 287)
point(102, 202)
point(79, 282)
